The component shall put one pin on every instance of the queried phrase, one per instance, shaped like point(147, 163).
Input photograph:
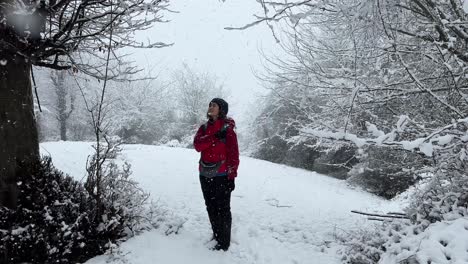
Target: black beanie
point(223, 105)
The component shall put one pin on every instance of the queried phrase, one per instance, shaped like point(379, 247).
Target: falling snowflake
point(3, 62)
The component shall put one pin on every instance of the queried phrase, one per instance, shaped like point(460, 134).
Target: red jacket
point(214, 150)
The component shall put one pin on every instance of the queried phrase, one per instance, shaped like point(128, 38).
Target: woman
point(217, 142)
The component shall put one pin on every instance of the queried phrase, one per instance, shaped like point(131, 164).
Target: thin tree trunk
point(63, 130)
point(61, 92)
point(18, 132)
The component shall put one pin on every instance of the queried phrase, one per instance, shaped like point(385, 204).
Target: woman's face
point(213, 110)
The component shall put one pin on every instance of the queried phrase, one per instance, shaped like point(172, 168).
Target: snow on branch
point(278, 11)
point(439, 138)
point(51, 33)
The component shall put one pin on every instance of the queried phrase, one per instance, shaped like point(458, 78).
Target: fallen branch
point(375, 219)
point(396, 213)
point(388, 215)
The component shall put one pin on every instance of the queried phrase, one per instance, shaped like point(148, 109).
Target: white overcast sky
point(201, 41)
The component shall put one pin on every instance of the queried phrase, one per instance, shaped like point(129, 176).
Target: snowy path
point(280, 214)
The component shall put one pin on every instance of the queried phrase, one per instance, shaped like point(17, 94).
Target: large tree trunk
point(18, 133)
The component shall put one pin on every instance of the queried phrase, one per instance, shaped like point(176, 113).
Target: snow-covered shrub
point(442, 242)
point(417, 242)
point(301, 154)
point(124, 197)
point(320, 156)
point(364, 247)
point(367, 246)
point(307, 153)
point(440, 213)
point(272, 149)
point(56, 219)
point(386, 172)
point(335, 160)
point(112, 188)
point(187, 140)
point(446, 196)
point(139, 130)
point(174, 143)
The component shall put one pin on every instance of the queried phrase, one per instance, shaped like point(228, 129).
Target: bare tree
point(139, 112)
point(49, 34)
point(194, 91)
point(357, 65)
point(406, 85)
point(364, 61)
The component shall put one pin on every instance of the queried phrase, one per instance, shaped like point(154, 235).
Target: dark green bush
point(55, 221)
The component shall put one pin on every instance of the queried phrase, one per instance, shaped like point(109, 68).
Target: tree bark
point(61, 91)
point(63, 129)
point(18, 134)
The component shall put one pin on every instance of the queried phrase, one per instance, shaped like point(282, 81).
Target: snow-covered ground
point(280, 214)
point(443, 242)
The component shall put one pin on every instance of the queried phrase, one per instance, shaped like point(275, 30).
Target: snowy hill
point(280, 214)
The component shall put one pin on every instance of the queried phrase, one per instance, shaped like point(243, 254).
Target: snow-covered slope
point(280, 214)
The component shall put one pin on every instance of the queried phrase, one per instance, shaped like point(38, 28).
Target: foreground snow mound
point(442, 243)
point(280, 214)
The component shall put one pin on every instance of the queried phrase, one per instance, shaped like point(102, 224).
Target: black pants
point(217, 194)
